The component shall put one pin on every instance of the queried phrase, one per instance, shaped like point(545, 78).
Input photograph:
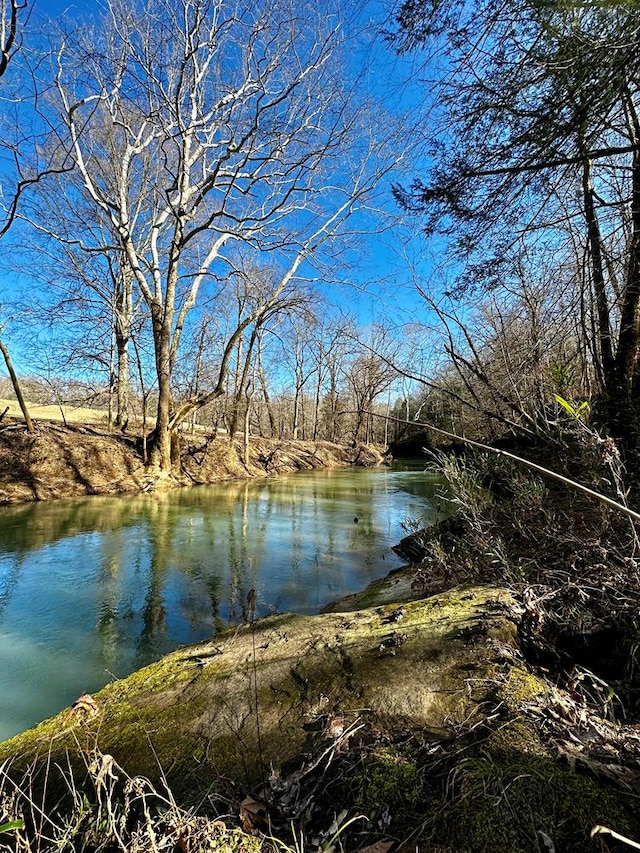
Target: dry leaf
point(253, 816)
point(335, 726)
point(381, 846)
point(85, 705)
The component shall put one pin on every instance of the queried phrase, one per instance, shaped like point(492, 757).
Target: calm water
point(92, 589)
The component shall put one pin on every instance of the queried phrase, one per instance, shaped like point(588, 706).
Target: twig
point(499, 452)
point(251, 604)
point(602, 830)
point(295, 777)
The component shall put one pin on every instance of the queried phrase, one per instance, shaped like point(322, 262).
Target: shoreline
point(74, 461)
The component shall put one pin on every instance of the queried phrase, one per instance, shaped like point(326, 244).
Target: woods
point(533, 179)
point(205, 166)
point(199, 182)
point(187, 203)
point(246, 239)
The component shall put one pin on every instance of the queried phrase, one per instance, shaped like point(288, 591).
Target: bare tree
point(328, 337)
point(23, 124)
point(196, 126)
point(8, 35)
point(86, 292)
point(336, 358)
point(253, 284)
point(370, 373)
point(302, 367)
point(16, 386)
point(8, 30)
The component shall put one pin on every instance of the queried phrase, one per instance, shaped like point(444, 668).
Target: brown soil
point(69, 461)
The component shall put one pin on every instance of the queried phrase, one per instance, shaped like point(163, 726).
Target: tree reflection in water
point(91, 589)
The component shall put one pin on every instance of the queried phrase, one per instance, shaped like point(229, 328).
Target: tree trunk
point(160, 448)
point(357, 430)
point(265, 394)
point(273, 427)
point(235, 399)
point(122, 409)
point(316, 406)
point(597, 271)
point(16, 387)
point(624, 408)
point(333, 406)
point(246, 434)
point(198, 368)
point(296, 414)
point(160, 445)
point(242, 382)
point(124, 314)
point(112, 379)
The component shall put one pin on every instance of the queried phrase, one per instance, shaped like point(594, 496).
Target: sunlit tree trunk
point(16, 387)
point(273, 429)
point(123, 320)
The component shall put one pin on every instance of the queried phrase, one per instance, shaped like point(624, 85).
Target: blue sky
point(382, 268)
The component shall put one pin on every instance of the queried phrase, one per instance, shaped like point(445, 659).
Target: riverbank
point(412, 726)
point(483, 700)
point(70, 461)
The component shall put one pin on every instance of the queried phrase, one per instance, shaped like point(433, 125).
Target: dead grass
point(58, 461)
point(72, 414)
point(57, 414)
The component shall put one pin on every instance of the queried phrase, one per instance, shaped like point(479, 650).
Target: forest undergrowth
point(573, 561)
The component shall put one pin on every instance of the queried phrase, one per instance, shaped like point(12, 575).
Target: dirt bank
point(69, 461)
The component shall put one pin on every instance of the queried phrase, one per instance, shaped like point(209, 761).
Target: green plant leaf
point(13, 824)
point(583, 407)
point(566, 405)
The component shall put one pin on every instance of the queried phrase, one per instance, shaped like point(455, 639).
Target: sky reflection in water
point(92, 589)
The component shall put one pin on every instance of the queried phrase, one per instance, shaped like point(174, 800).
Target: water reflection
point(91, 589)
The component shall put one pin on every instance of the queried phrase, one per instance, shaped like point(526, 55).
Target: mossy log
point(195, 711)
point(438, 684)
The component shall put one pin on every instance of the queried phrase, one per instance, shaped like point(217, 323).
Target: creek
point(94, 588)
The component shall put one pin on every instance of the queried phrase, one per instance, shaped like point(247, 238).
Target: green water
point(94, 588)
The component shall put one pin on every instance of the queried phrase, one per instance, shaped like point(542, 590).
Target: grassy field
point(79, 415)
point(72, 414)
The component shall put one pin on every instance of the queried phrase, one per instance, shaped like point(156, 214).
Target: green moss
point(192, 718)
point(388, 781)
point(516, 735)
point(521, 685)
point(394, 589)
point(236, 841)
point(507, 801)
